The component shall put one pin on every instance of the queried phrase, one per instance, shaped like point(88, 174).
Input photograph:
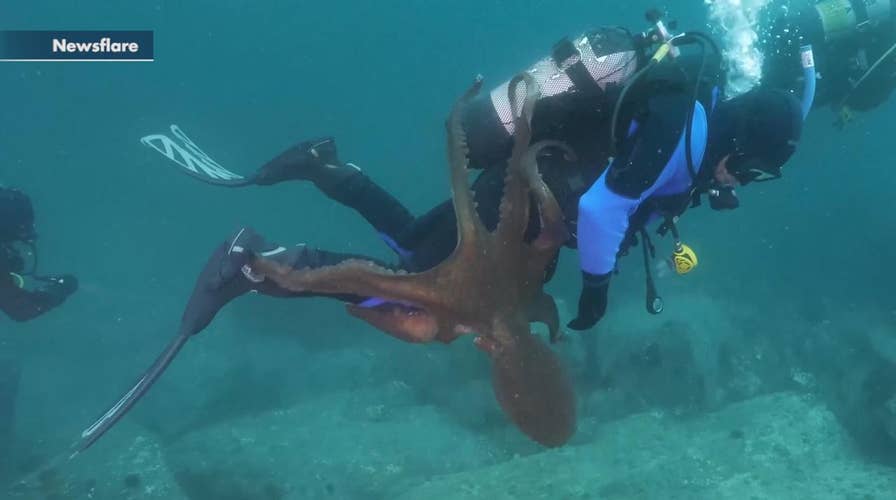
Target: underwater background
point(771, 374)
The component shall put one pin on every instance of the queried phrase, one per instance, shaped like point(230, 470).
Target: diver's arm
point(603, 222)
point(604, 210)
point(23, 305)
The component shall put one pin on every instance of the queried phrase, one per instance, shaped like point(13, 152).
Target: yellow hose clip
point(661, 52)
point(18, 279)
point(845, 115)
point(684, 259)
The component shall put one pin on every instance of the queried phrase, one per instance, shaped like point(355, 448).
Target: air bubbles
point(738, 20)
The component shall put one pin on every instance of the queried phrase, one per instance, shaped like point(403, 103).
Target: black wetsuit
point(422, 242)
point(425, 241)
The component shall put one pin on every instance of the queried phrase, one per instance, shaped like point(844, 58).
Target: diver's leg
point(431, 238)
point(318, 161)
point(227, 275)
point(9, 384)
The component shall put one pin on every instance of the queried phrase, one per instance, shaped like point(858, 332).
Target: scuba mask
point(759, 132)
point(747, 169)
point(722, 198)
point(16, 216)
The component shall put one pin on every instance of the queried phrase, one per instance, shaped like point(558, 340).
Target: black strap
point(861, 11)
point(669, 225)
point(563, 54)
point(563, 50)
point(653, 302)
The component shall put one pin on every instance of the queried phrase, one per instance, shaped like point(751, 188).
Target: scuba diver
point(681, 142)
point(745, 139)
point(854, 42)
point(651, 137)
point(18, 300)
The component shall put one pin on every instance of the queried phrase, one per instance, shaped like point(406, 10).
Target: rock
point(359, 444)
point(890, 417)
point(128, 465)
point(778, 446)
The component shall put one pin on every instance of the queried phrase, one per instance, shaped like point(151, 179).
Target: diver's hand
point(592, 301)
point(60, 286)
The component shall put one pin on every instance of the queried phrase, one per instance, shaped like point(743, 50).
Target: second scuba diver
point(854, 42)
point(24, 295)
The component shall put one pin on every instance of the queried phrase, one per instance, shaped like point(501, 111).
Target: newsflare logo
point(52, 46)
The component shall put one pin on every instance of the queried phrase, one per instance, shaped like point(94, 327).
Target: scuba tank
point(588, 86)
point(827, 21)
point(577, 82)
point(838, 19)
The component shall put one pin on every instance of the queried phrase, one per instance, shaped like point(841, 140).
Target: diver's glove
point(60, 286)
point(723, 198)
point(592, 301)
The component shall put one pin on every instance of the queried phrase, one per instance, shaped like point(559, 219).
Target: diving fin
point(105, 422)
point(220, 281)
point(192, 160)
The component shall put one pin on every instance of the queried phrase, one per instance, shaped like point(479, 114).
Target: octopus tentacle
point(355, 277)
point(469, 226)
point(533, 389)
point(403, 323)
point(514, 208)
point(544, 310)
point(490, 284)
point(553, 231)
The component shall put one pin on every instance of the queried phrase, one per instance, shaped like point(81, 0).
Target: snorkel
point(807, 58)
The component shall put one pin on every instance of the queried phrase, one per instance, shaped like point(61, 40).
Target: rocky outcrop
point(782, 446)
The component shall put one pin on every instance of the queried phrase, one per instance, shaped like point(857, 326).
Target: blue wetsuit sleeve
point(603, 222)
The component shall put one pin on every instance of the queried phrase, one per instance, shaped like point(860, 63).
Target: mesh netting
point(553, 80)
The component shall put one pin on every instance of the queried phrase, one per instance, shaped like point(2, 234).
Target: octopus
point(491, 285)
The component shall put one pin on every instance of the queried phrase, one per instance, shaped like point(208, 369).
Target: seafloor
point(672, 412)
point(781, 446)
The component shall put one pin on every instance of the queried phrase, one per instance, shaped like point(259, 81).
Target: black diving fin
point(91, 434)
point(192, 160)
